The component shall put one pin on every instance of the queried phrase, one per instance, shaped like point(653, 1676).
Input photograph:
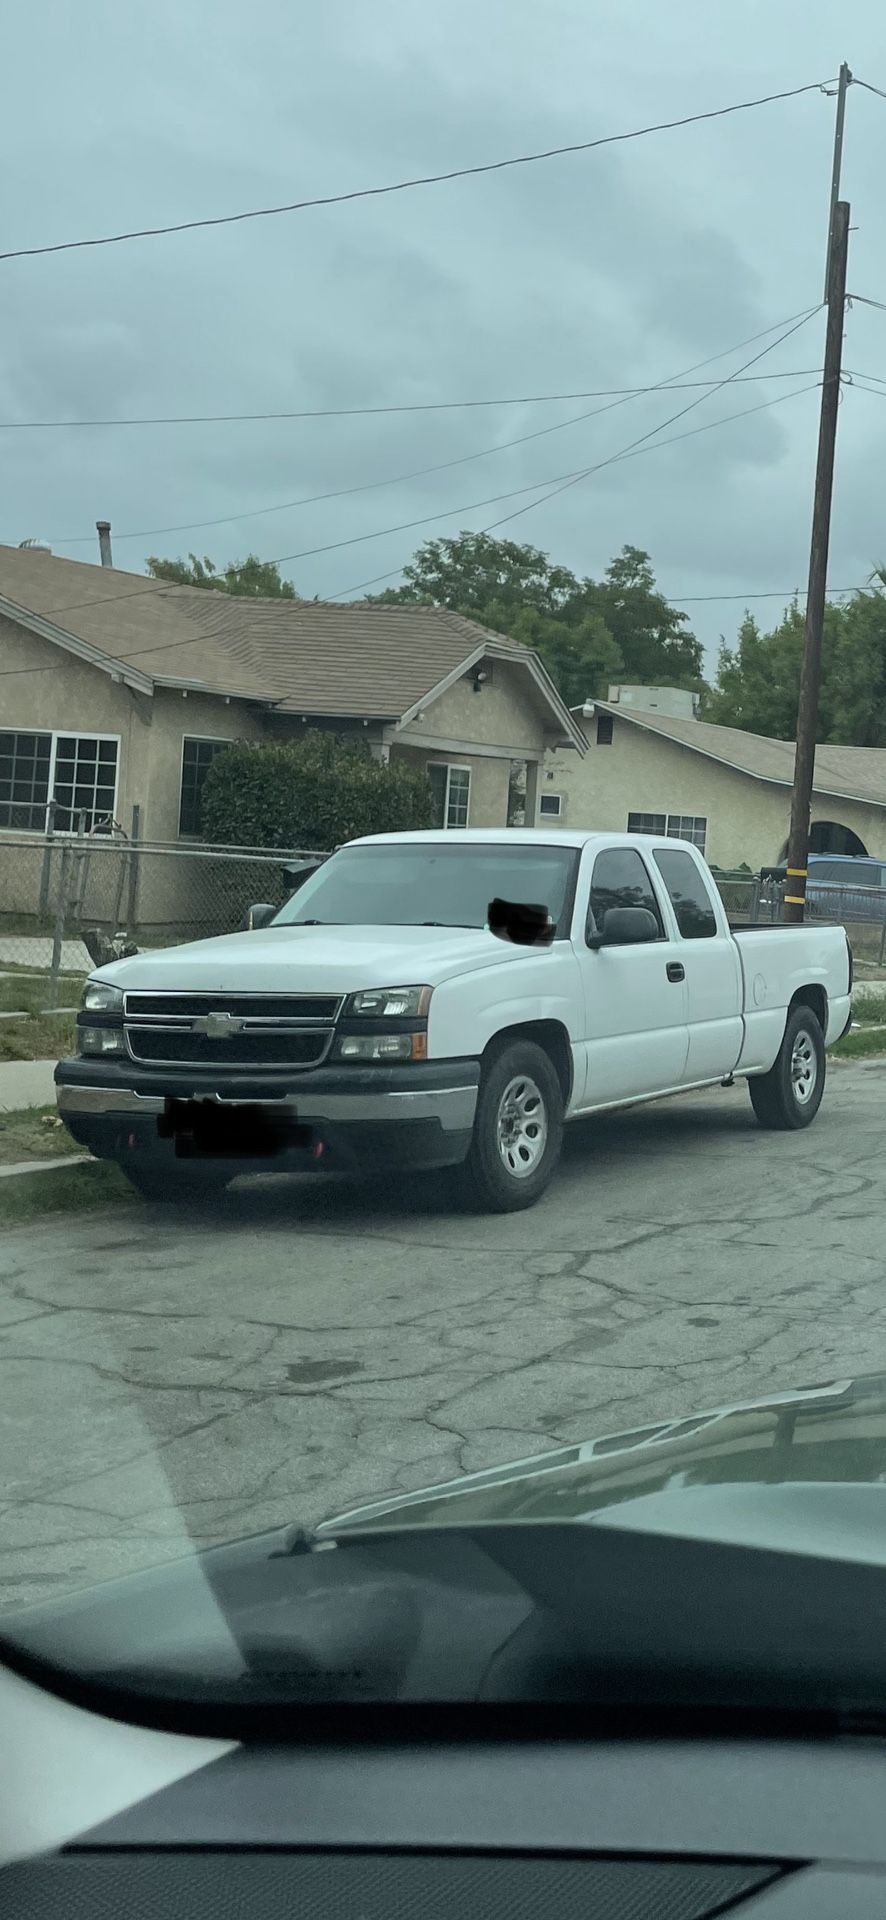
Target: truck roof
point(515, 836)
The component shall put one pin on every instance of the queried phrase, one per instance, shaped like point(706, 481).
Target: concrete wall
point(640, 772)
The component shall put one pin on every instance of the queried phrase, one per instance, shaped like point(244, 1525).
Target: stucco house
point(116, 692)
point(653, 767)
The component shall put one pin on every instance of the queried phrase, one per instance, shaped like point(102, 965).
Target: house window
point(552, 804)
point(604, 729)
point(674, 826)
point(76, 770)
point(450, 793)
point(24, 780)
point(688, 826)
point(197, 758)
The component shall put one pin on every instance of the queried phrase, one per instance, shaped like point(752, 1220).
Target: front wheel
point(518, 1129)
point(790, 1094)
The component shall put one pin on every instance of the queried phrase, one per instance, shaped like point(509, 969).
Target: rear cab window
point(620, 879)
point(688, 894)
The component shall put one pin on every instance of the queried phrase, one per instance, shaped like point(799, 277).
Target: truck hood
point(329, 959)
point(802, 1471)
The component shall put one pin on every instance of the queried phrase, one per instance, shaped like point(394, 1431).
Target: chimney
point(103, 529)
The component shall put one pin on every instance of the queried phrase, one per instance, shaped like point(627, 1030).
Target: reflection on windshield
point(431, 885)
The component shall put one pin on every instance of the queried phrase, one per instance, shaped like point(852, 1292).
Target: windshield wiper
point(467, 924)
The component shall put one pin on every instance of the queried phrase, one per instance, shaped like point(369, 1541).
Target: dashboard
point(99, 1818)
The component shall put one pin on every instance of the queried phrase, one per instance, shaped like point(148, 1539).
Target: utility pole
point(810, 677)
point(843, 84)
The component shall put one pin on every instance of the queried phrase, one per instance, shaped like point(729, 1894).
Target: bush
point(312, 793)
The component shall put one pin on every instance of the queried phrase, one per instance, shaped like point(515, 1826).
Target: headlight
point(100, 1040)
point(100, 997)
point(382, 1046)
point(384, 1003)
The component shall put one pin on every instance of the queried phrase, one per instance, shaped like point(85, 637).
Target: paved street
point(315, 1343)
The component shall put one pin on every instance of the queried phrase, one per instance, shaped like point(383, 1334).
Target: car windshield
point(442, 954)
point(431, 885)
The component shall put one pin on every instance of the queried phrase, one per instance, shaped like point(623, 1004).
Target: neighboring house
point(652, 767)
point(116, 692)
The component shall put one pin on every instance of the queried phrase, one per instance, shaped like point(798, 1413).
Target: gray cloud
point(605, 269)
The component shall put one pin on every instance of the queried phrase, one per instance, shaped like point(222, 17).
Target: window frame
point(545, 813)
point(54, 735)
point(667, 829)
point(590, 931)
point(197, 740)
point(453, 766)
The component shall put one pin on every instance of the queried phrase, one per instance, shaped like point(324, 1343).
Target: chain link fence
point(68, 903)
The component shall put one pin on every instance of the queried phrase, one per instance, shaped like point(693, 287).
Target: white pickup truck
point(378, 1023)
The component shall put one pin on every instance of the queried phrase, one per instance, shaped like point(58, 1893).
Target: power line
point(867, 86)
point(405, 407)
point(567, 480)
point(667, 385)
point(420, 180)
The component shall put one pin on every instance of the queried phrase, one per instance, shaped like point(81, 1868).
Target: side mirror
point(257, 916)
point(625, 927)
point(523, 926)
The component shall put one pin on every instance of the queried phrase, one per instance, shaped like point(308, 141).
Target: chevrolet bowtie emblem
point(218, 1026)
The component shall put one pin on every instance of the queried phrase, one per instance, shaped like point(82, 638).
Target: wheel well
point(816, 999)
point(550, 1035)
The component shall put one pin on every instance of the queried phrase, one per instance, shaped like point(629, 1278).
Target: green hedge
point(313, 792)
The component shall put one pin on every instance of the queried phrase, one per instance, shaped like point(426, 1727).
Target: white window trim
point(453, 766)
point(548, 813)
point(55, 734)
point(661, 813)
point(198, 740)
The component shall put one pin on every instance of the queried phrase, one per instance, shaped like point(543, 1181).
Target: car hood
point(801, 1470)
point(311, 959)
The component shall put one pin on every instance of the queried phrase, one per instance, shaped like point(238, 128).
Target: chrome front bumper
point(452, 1107)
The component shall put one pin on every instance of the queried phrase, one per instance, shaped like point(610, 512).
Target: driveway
point(314, 1343)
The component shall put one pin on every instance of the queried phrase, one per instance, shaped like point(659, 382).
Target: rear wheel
point(518, 1129)
point(790, 1094)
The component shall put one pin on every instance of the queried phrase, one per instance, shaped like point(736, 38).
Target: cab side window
point(688, 895)
point(620, 879)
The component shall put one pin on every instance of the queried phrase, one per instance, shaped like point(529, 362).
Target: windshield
point(432, 886)
point(323, 1181)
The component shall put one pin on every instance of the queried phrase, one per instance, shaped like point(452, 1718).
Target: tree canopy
point(758, 680)
point(586, 631)
point(258, 579)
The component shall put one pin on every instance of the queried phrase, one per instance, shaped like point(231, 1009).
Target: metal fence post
point(132, 875)
point(61, 912)
point(46, 869)
point(882, 938)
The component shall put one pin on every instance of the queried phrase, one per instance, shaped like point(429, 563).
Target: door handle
point(676, 971)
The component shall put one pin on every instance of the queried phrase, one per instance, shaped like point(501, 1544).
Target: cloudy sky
point(607, 269)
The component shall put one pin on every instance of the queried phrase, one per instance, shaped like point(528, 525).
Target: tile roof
point(850, 773)
point(305, 656)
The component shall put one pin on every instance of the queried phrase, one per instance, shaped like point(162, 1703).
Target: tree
point(758, 680)
point(587, 632)
point(313, 792)
point(254, 578)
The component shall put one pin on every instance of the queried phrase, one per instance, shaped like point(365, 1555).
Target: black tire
point(789, 1095)
point(172, 1181)
point(493, 1177)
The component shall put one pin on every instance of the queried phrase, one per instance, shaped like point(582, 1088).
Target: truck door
point(635, 1007)
point(714, 991)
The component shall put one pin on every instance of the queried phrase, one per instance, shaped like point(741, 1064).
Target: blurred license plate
point(237, 1130)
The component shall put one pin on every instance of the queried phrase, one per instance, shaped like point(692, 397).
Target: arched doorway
point(827, 836)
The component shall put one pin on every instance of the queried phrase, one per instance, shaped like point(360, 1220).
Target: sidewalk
point(26, 1083)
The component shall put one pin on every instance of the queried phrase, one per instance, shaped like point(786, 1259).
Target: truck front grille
point(230, 1029)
